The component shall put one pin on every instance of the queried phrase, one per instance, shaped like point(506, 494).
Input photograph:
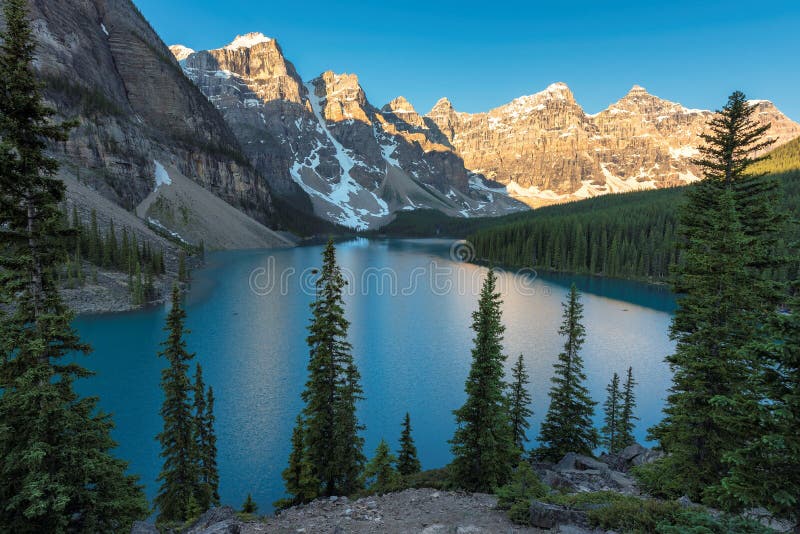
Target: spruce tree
point(407, 461)
point(729, 233)
point(380, 474)
point(519, 400)
point(568, 424)
point(183, 274)
point(766, 472)
point(57, 473)
point(627, 419)
point(483, 445)
point(249, 506)
point(298, 476)
point(332, 446)
point(206, 492)
point(95, 243)
point(210, 470)
point(612, 408)
point(179, 474)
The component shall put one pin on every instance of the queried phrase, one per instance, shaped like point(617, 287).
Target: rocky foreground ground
point(432, 511)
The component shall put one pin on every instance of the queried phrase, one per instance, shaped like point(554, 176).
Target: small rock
point(435, 495)
point(372, 505)
point(334, 498)
point(470, 529)
point(434, 529)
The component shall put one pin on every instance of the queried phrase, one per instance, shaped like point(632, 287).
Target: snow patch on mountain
point(358, 206)
point(248, 40)
point(161, 175)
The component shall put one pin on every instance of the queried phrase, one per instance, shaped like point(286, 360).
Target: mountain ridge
point(540, 148)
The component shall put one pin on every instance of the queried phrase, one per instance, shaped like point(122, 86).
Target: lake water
point(410, 306)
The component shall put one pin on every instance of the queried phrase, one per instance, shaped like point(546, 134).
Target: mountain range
point(241, 122)
point(359, 163)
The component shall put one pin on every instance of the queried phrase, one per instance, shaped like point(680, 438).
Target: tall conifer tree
point(407, 461)
point(56, 470)
point(568, 424)
point(483, 445)
point(331, 444)
point(179, 474)
point(207, 491)
point(519, 401)
point(728, 227)
point(627, 420)
point(612, 408)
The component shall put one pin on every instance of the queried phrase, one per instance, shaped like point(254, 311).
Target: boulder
point(220, 520)
point(567, 463)
point(632, 451)
point(544, 515)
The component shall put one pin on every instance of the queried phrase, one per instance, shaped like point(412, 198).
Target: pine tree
point(380, 474)
point(249, 506)
point(627, 418)
point(183, 274)
point(57, 473)
point(209, 452)
point(483, 445)
point(298, 475)
point(206, 492)
point(407, 461)
point(178, 476)
point(729, 230)
point(613, 416)
point(332, 446)
point(519, 403)
point(568, 424)
point(766, 472)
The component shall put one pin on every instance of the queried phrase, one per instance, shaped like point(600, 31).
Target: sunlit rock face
point(358, 164)
point(546, 149)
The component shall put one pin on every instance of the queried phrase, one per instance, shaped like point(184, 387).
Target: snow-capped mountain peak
point(248, 40)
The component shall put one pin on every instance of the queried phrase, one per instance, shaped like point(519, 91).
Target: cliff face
point(545, 148)
point(358, 164)
point(104, 65)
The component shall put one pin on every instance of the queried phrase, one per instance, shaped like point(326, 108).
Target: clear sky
point(481, 55)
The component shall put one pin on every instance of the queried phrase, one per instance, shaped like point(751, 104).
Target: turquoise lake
point(410, 305)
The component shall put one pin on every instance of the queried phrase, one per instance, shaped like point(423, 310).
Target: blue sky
point(484, 54)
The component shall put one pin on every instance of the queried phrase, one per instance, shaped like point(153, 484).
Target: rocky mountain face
point(358, 164)
point(104, 65)
point(544, 148)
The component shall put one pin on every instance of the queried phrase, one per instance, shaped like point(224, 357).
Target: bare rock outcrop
point(546, 149)
point(358, 164)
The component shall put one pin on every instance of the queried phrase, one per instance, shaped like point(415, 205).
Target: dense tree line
point(631, 235)
point(115, 251)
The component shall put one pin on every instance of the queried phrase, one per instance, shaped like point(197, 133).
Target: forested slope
point(630, 235)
